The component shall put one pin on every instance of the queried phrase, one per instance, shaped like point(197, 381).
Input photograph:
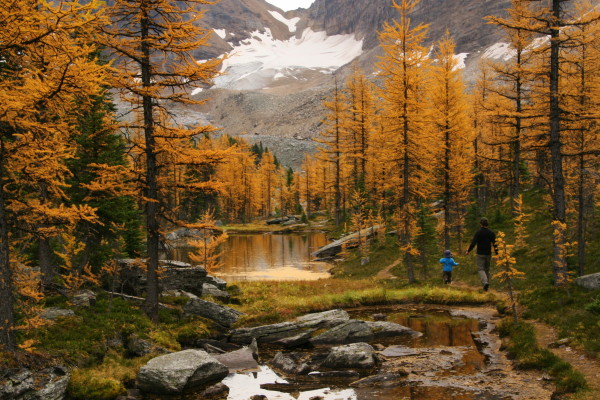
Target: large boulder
point(351, 331)
point(83, 298)
point(325, 319)
point(213, 291)
point(218, 282)
point(383, 329)
point(355, 355)
point(296, 331)
point(223, 315)
point(189, 279)
point(591, 281)
point(47, 384)
point(16, 385)
point(266, 333)
point(180, 372)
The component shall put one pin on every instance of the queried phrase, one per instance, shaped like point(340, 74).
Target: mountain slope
point(281, 65)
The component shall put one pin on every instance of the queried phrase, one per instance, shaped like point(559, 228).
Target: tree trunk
point(152, 225)
point(45, 262)
point(555, 145)
point(7, 318)
point(447, 189)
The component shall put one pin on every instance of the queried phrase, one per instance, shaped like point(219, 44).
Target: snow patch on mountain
point(257, 61)
point(499, 51)
point(222, 33)
point(460, 60)
point(291, 23)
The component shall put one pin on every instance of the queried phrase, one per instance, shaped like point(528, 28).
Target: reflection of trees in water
point(271, 256)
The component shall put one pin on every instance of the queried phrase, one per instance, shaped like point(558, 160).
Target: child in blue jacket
point(448, 262)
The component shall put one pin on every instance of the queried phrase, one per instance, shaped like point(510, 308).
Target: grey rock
point(351, 331)
point(223, 315)
point(218, 390)
point(288, 365)
point(266, 333)
point(591, 281)
point(55, 385)
point(47, 384)
point(180, 372)
point(253, 347)
point(53, 313)
point(17, 384)
point(188, 279)
point(301, 326)
point(382, 380)
point(218, 282)
point(399, 351)
point(355, 355)
point(213, 291)
point(84, 298)
point(221, 347)
point(379, 317)
point(238, 360)
point(296, 341)
point(325, 317)
point(139, 347)
point(382, 329)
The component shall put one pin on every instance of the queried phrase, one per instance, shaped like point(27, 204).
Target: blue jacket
point(448, 263)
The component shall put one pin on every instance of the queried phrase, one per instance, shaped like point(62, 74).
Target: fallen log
point(334, 248)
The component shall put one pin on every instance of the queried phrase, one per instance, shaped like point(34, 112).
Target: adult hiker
point(485, 239)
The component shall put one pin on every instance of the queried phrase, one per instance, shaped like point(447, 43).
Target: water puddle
point(445, 363)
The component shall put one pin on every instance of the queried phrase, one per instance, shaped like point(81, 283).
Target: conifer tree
point(450, 118)
point(404, 81)
point(47, 63)
point(511, 105)
point(556, 24)
point(333, 139)
point(152, 43)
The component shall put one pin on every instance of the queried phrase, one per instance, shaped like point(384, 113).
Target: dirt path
point(545, 336)
point(588, 367)
point(385, 273)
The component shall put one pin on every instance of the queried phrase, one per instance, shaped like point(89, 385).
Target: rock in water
point(351, 331)
point(180, 372)
point(355, 355)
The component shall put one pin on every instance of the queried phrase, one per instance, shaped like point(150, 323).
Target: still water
point(254, 257)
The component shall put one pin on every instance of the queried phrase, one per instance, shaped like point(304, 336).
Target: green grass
point(270, 302)
point(104, 369)
point(521, 345)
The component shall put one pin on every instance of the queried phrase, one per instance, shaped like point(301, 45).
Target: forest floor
point(546, 337)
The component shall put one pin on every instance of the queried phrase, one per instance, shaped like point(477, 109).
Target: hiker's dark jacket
point(484, 239)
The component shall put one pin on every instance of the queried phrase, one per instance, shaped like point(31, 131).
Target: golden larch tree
point(450, 118)
point(151, 42)
point(47, 63)
point(404, 68)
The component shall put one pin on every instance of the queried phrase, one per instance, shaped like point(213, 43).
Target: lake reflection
point(252, 257)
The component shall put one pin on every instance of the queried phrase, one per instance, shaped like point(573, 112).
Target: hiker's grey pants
point(483, 267)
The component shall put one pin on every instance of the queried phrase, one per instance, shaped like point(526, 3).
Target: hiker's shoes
point(486, 287)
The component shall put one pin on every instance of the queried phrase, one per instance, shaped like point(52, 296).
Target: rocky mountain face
point(281, 65)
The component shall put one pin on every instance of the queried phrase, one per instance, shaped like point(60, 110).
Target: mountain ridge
point(263, 94)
